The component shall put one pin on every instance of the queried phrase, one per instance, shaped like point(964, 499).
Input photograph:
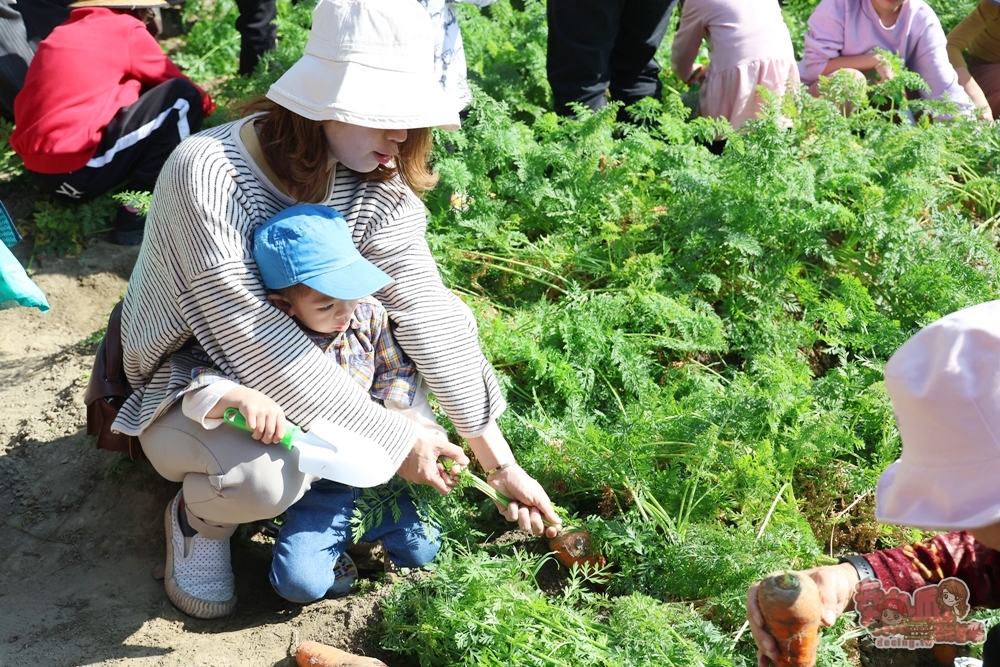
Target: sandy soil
point(81, 530)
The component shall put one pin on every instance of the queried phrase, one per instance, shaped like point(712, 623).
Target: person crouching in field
point(945, 392)
point(979, 35)
point(750, 47)
point(314, 274)
point(102, 105)
point(843, 34)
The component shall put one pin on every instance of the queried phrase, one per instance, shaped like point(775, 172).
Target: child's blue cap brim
point(311, 244)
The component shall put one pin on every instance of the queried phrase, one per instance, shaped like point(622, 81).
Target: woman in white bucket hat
point(944, 384)
point(347, 126)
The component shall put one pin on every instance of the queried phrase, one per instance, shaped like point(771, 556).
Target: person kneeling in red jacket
point(102, 105)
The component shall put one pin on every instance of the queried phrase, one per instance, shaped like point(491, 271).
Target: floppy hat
point(368, 63)
point(119, 4)
point(944, 383)
point(311, 244)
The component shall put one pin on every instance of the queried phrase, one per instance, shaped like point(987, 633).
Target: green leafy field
point(691, 345)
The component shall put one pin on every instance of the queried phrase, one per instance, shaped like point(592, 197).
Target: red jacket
point(82, 74)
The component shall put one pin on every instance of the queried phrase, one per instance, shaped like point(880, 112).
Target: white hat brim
point(320, 89)
point(939, 497)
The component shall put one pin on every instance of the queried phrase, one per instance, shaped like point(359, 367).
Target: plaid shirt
point(366, 350)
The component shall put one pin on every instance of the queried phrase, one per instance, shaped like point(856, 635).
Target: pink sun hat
point(944, 383)
point(368, 63)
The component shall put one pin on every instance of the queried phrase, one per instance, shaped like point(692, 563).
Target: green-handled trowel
point(332, 452)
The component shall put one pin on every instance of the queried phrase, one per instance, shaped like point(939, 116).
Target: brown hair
point(961, 592)
point(296, 150)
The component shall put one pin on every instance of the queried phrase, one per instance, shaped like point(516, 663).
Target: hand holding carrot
point(836, 586)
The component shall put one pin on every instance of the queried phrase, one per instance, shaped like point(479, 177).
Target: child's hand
point(697, 75)
point(263, 415)
point(884, 70)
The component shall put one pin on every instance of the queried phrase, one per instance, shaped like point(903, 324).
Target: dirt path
point(82, 533)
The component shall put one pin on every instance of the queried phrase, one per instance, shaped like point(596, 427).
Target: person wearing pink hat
point(347, 127)
point(944, 384)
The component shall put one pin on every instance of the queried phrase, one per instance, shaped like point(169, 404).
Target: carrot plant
point(683, 338)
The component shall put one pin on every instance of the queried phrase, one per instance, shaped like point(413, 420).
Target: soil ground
point(82, 529)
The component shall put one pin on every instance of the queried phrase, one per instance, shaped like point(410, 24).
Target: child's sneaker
point(345, 574)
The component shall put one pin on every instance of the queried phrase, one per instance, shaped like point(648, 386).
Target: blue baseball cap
point(311, 244)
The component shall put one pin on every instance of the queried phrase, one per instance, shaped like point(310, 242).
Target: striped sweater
point(196, 277)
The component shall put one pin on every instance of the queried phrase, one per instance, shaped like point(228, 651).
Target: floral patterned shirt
point(366, 350)
point(449, 53)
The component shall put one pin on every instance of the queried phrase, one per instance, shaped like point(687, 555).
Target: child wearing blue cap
point(314, 273)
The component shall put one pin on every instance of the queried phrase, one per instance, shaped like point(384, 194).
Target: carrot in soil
point(792, 610)
point(314, 654)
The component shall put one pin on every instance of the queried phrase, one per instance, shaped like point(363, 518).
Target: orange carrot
point(792, 610)
point(314, 654)
point(576, 547)
point(945, 653)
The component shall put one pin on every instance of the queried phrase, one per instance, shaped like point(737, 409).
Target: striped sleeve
point(435, 329)
point(196, 277)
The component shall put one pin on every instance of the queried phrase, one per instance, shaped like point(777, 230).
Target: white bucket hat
point(944, 383)
point(368, 63)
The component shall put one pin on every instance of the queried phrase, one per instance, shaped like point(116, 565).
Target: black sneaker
point(129, 225)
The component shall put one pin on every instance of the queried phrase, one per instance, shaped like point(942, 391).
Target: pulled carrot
point(314, 654)
point(792, 608)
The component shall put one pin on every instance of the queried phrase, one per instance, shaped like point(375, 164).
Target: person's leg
point(634, 70)
point(15, 55)
point(258, 34)
point(991, 649)
point(135, 144)
point(987, 75)
point(316, 531)
point(408, 542)
point(41, 17)
point(228, 478)
point(581, 38)
point(141, 136)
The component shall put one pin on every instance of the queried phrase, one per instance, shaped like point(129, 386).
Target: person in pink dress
point(750, 47)
point(843, 34)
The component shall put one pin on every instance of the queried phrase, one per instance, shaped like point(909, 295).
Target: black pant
point(135, 144)
point(258, 33)
point(599, 45)
point(15, 55)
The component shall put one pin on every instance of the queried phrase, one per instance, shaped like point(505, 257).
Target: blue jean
point(317, 530)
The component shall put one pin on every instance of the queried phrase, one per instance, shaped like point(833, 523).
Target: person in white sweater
point(347, 127)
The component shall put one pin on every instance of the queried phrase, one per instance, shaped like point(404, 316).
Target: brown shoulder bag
point(107, 390)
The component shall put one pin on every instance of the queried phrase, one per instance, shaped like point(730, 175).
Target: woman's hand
point(836, 588)
point(263, 415)
point(529, 502)
point(421, 465)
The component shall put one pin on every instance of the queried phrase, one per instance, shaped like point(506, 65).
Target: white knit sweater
point(196, 278)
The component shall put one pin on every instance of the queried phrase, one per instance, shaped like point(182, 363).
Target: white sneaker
point(199, 572)
point(345, 573)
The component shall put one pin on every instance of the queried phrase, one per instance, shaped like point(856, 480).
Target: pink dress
point(750, 47)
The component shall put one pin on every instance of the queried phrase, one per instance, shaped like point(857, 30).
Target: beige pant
point(229, 478)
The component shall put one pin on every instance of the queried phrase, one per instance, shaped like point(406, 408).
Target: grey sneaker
point(199, 572)
point(345, 573)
